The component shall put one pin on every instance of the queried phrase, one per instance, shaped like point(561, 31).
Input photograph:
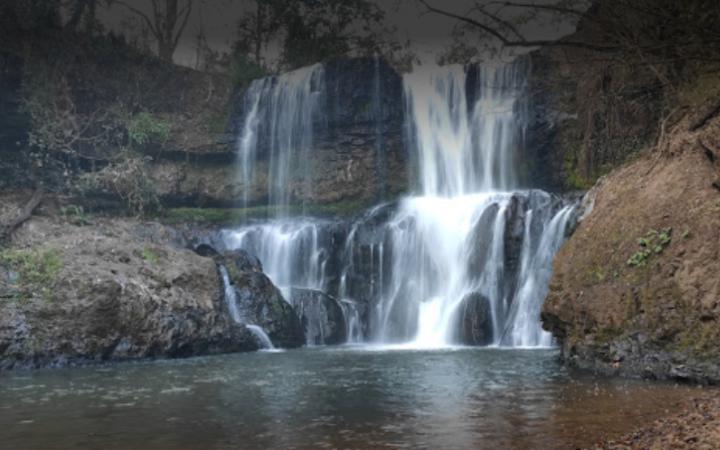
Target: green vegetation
point(37, 269)
point(150, 256)
point(128, 179)
point(144, 128)
point(243, 71)
point(653, 243)
point(75, 214)
point(219, 216)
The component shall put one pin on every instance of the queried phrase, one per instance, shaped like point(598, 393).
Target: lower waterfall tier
point(426, 271)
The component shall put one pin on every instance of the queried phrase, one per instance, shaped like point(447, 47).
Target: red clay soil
point(697, 427)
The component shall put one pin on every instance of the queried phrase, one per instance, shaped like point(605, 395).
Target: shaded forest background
point(87, 108)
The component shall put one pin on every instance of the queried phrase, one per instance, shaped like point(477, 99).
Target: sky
point(429, 34)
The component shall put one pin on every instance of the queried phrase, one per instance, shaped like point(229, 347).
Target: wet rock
point(261, 303)
point(321, 315)
point(475, 320)
point(242, 261)
point(480, 240)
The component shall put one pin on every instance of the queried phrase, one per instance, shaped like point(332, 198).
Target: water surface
point(326, 398)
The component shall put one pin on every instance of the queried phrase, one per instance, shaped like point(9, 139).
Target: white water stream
point(470, 233)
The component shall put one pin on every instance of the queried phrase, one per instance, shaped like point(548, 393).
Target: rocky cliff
point(635, 290)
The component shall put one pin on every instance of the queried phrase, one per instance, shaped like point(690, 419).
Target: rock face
point(321, 316)
point(475, 321)
point(259, 302)
point(578, 128)
point(109, 291)
point(636, 290)
point(14, 124)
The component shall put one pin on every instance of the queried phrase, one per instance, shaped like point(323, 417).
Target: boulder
point(475, 320)
point(260, 303)
point(104, 293)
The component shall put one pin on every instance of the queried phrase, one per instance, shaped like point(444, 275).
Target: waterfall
point(262, 337)
point(231, 299)
point(280, 120)
point(290, 251)
point(466, 260)
point(230, 295)
point(464, 144)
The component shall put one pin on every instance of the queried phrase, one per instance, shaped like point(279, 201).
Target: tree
point(307, 31)
point(261, 25)
point(322, 29)
point(167, 23)
point(661, 35)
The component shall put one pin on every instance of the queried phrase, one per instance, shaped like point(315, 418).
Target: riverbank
point(696, 426)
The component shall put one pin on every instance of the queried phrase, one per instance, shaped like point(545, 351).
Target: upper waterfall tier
point(323, 133)
point(465, 126)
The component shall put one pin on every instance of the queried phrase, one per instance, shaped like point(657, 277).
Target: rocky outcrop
point(635, 290)
point(259, 302)
point(475, 320)
point(113, 290)
point(14, 123)
point(321, 316)
point(585, 116)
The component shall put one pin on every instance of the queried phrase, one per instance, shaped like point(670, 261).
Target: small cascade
point(290, 251)
point(280, 115)
point(231, 299)
point(230, 295)
point(353, 322)
point(262, 337)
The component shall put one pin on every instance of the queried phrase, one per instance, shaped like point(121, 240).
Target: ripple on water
point(340, 398)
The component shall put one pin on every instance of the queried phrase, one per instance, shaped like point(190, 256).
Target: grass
point(653, 243)
point(37, 269)
point(222, 216)
point(150, 256)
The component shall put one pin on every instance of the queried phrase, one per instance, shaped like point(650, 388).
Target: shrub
point(37, 269)
point(150, 256)
point(144, 129)
point(244, 71)
point(128, 179)
point(653, 243)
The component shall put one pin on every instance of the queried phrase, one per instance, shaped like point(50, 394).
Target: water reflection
point(326, 398)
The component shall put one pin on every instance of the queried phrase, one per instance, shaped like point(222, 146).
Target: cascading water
point(231, 299)
point(468, 260)
point(280, 116)
point(454, 243)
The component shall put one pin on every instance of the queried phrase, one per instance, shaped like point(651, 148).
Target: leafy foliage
point(653, 243)
point(243, 70)
point(37, 269)
point(127, 178)
point(150, 256)
point(144, 129)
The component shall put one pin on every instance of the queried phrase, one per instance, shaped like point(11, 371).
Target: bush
point(37, 269)
point(145, 129)
point(128, 179)
point(653, 243)
point(244, 71)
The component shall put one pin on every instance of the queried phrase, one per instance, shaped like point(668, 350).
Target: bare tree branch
point(518, 42)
